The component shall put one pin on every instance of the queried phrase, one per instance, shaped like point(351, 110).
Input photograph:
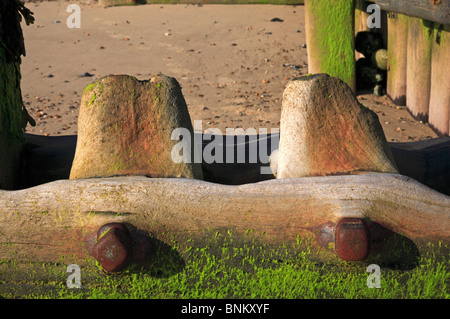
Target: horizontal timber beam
point(433, 10)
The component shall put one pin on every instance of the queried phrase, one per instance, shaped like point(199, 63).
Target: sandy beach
point(232, 61)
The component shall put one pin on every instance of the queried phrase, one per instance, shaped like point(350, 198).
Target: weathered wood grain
point(433, 10)
point(56, 219)
point(397, 43)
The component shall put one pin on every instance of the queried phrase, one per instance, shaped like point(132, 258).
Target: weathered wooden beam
point(58, 220)
point(434, 10)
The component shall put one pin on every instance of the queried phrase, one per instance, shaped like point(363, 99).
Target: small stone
point(276, 20)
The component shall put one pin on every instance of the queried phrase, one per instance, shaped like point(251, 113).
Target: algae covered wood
point(55, 220)
point(11, 122)
point(330, 39)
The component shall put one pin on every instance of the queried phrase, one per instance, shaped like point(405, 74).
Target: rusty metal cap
point(352, 241)
point(113, 249)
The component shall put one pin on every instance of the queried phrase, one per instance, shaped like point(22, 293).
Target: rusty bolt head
point(102, 230)
point(352, 239)
point(113, 248)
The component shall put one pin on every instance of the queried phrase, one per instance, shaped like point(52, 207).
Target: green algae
point(332, 41)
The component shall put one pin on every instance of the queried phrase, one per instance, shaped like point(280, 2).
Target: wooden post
point(11, 130)
point(439, 112)
point(360, 21)
point(330, 39)
point(397, 45)
point(418, 66)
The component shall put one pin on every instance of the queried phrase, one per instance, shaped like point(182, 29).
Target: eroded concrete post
point(324, 130)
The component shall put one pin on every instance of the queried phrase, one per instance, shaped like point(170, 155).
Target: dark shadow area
point(153, 256)
point(428, 162)
point(46, 159)
point(148, 254)
point(392, 250)
point(243, 168)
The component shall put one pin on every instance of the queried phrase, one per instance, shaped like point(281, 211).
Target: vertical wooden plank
point(330, 39)
point(397, 45)
point(439, 116)
point(418, 66)
point(11, 130)
point(360, 21)
point(432, 10)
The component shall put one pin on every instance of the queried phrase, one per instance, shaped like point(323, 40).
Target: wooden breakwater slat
point(58, 219)
point(418, 67)
point(397, 52)
point(439, 105)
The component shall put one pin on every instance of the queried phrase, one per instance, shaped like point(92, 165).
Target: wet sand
point(232, 61)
